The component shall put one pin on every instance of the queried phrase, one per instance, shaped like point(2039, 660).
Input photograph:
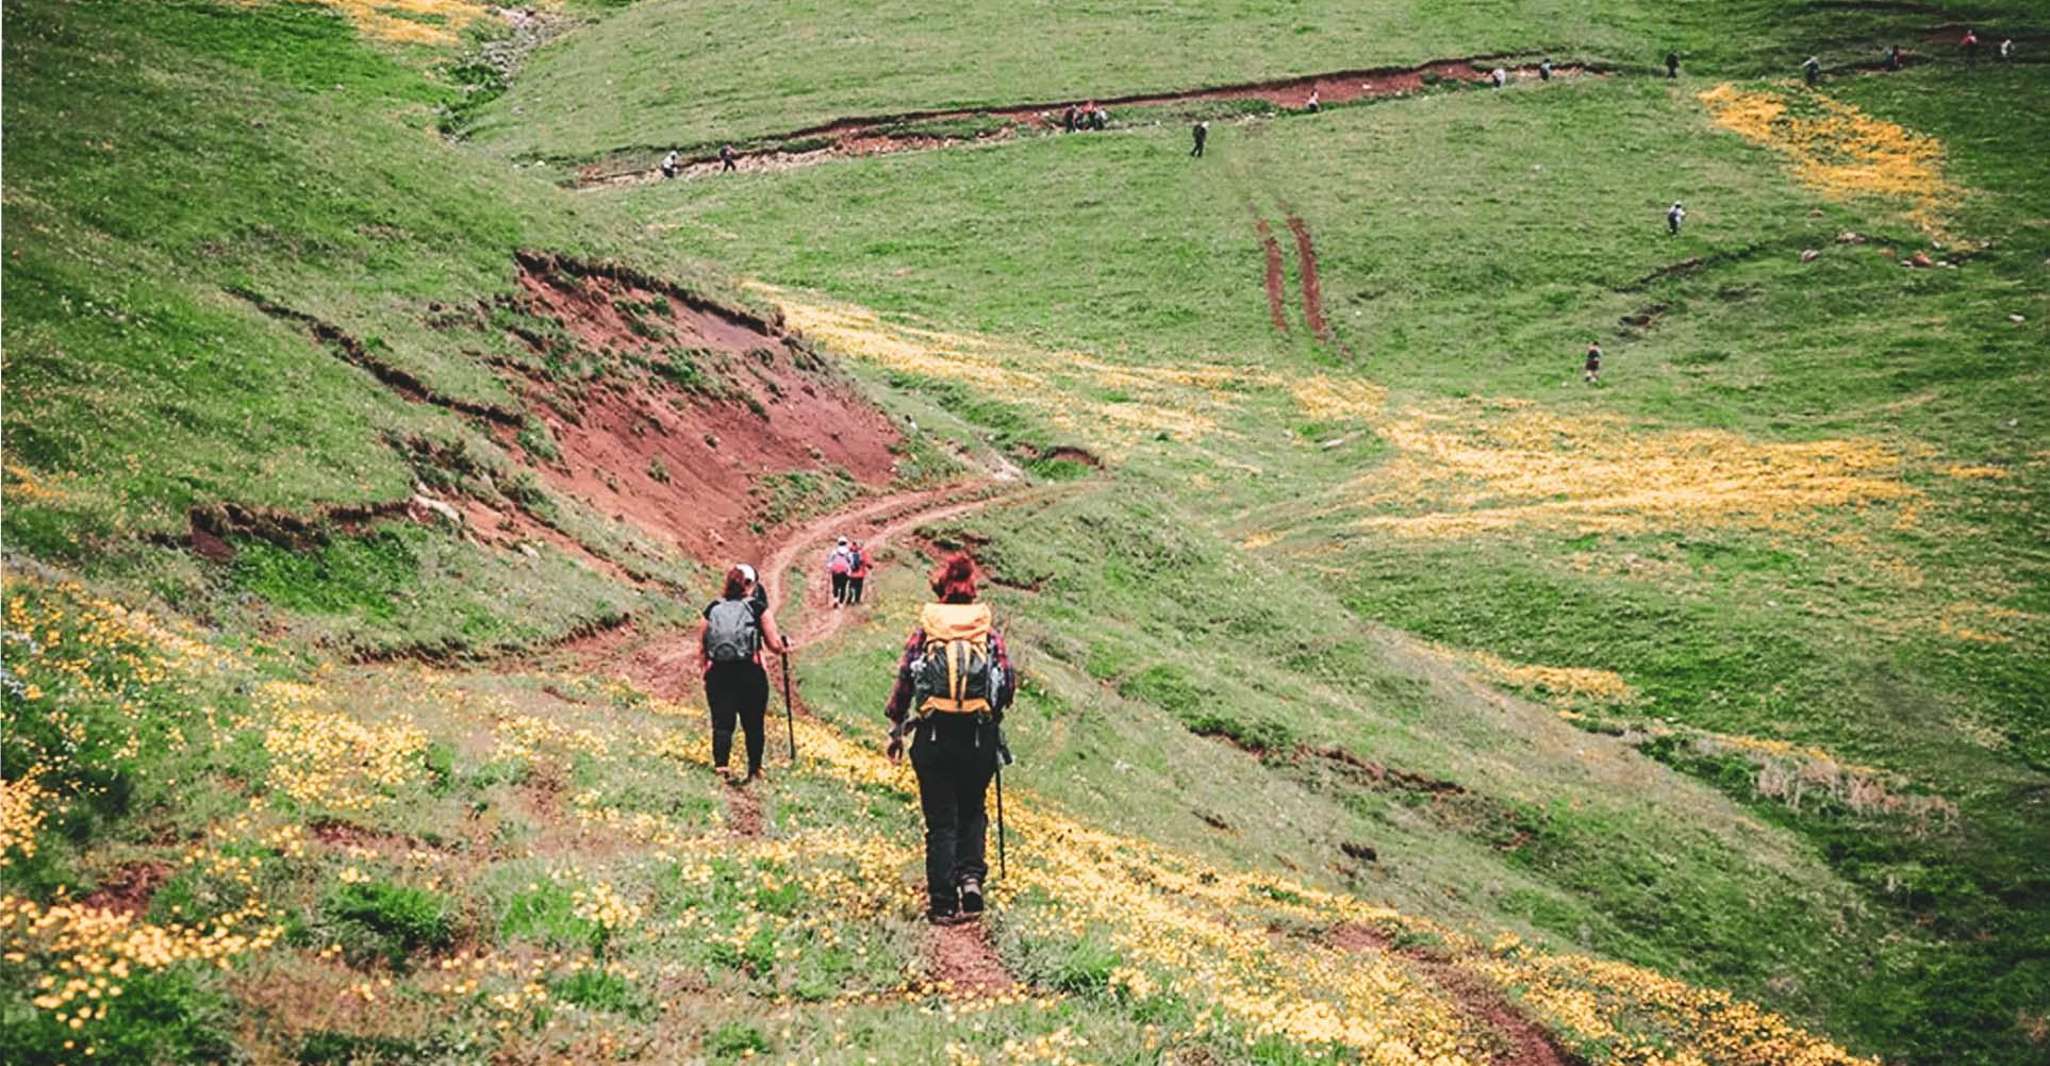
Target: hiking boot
point(948, 917)
point(971, 896)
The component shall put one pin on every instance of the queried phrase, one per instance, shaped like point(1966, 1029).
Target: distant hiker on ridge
point(1201, 131)
point(1312, 105)
point(1971, 46)
point(1499, 77)
point(730, 642)
point(1811, 70)
point(858, 567)
point(839, 563)
point(1068, 119)
point(1593, 366)
point(1545, 69)
point(2006, 49)
point(1893, 57)
point(1674, 216)
point(1672, 64)
point(953, 683)
point(727, 156)
point(671, 163)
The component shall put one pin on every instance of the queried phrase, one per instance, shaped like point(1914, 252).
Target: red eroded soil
point(677, 462)
point(129, 888)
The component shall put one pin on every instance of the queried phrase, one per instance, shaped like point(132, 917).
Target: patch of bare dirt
point(744, 809)
point(965, 965)
point(1522, 1042)
point(724, 401)
point(130, 887)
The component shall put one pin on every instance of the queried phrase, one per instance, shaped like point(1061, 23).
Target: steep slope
point(256, 308)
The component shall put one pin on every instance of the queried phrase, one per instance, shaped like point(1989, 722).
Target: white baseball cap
point(746, 571)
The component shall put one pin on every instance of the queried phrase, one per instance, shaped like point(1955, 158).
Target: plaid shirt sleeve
point(900, 696)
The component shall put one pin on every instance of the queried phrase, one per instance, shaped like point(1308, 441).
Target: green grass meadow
point(1735, 666)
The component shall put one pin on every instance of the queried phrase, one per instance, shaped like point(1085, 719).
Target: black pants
point(1198, 150)
point(839, 588)
point(955, 756)
point(737, 691)
point(854, 585)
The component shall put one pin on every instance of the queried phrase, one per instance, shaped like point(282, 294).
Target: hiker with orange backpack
point(953, 683)
point(730, 642)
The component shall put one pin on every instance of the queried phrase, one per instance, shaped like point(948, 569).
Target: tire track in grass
point(1277, 311)
point(1312, 285)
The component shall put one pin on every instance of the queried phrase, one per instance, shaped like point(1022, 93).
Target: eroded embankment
point(912, 131)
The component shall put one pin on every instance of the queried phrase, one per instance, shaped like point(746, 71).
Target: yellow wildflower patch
point(24, 805)
point(1107, 404)
point(1328, 399)
point(328, 758)
point(1982, 623)
point(1840, 151)
point(1580, 682)
point(1975, 473)
point(411, 21)
point(1456, 474)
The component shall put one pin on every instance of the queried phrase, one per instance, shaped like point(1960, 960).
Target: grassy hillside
point(690, 74)
point(1391, 695)
point(1798, 525)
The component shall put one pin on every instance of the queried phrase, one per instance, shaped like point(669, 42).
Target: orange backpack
point(958, 673)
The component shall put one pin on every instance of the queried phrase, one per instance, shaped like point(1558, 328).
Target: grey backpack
point(731, 634)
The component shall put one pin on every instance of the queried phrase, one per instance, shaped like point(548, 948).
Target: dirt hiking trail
point(847, 138)
point(1523, 1042)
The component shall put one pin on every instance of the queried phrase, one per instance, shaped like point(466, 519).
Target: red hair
point(736, 584)
point(954, 581)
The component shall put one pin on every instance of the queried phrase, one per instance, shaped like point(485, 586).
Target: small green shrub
point(382, 920)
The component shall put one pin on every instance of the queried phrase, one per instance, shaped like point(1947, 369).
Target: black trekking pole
point(789, 713)
point(1003, 756)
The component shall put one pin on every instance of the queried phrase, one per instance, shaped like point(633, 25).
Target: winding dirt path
point(885, 134)
point(1524, 1042)
point(1313, 289)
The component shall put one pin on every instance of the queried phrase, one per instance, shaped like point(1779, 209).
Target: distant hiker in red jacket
point(730, 642)
point(857, 571)
point(1971, 46)
point(953, 683)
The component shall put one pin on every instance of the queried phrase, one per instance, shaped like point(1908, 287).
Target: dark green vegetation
point(1772, 601)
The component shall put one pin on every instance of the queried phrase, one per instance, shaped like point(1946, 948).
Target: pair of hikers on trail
point(954, 681)
point(731, 639)
point(849, 565)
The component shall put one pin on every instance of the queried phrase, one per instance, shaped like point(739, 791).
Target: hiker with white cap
point(730, 642)
point(671, 163)
point(1498, 77)
point(839, 564)
point(1674, 216)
